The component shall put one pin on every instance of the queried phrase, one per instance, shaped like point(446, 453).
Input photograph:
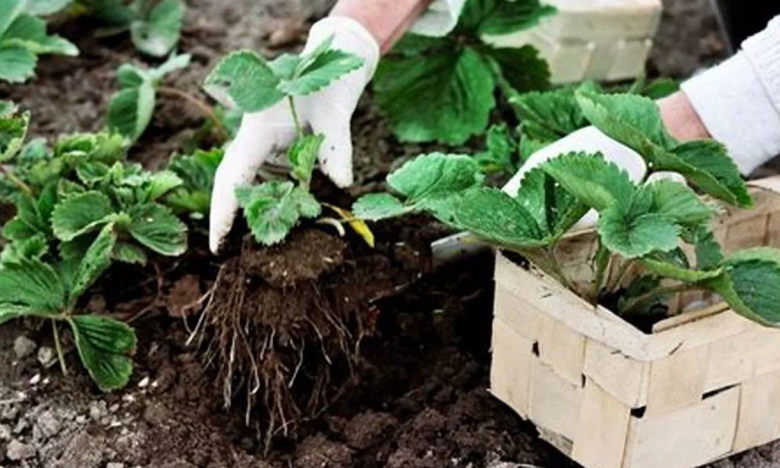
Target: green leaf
point(9, 11)
point(272, 209)
point(551, 115)
point(197, 172)
point(131, 110)
point(284, 66)
point(676, 272)
point(446, 97)
point(501, 153)
point(29, 33)
point(661, 88)
point(712, 161)
point(13, 131)
point(45, 7)
point(244, 79)
point(96, 260)
point(157, 228)
point(319, 71)
point(17, 65)
point(163, 182)
point(498, 218)
point(709, 253)
point(751, 285)
point(637, 236)
point(126, 252)
point(680, 203)
point(159, 32)
point(594, 181)
point(31, 248)
point(80, 214)
point(32, 283)
point(302, 155)
point(91, 173)
point(522, 68)
point(105, 347)
point(500, 17)
point(554, 209)
point(378, 206)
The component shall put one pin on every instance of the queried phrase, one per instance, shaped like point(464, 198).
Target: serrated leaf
point(522, 68)
point(447, 97)
point(661, 88)
point(105, 347)
point(323, 70)
point(197, 172)
point(157, 228)
point(33, 247)
point(709, 253)
point(244, 79)
point(498, 218)
point(13, 130)
point(131, 110)
point(45, 7)
point(163, 182)
point(32, 283)
point(501, 152)
point(549, 115)
point(15, 311)
point(554, 209)
point(679, 202)
point(9, 11)
point(378, 206)
point(302, 155)
point(17, 65)
point(711, 158)
point(637, 236)
point(594, 181)
point(272, 209)
point(96, 260)
point(159, 32)
point(500, 17)
point(284, 66)
point(126, 252)
point(91, 173)
point(29, 33)
point(80, 214)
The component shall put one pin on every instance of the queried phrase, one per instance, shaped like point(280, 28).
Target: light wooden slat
point(677, 381)
point(623, 377)
point(602, 431)
point(684, 438)
point(563, 350)
point(747, 233)
point(517, 314)
point(554, 401)
point(510, 372)
point(759, 420)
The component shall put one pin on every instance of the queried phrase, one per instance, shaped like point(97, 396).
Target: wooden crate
point(702, 386)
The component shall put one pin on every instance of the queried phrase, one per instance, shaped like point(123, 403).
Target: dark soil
point(407, 361)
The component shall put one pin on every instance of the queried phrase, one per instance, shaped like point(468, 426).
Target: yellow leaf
point(358, 225)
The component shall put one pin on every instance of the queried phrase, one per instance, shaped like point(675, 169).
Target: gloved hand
point(590, 140)
point(265, 134)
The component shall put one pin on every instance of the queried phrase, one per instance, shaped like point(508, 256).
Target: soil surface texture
point(407, 358)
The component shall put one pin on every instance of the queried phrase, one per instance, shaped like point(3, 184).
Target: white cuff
point(737, 110)
point(763, 51)
point(440, 18)
point(349, 36)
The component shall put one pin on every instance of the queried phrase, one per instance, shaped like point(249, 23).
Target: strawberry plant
point(23, 38)
point(79, 207)
point(246, 80)
point(640, 224)
point(443, 89)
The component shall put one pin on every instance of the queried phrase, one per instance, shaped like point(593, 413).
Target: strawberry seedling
point(246, 80)
point(640, 224)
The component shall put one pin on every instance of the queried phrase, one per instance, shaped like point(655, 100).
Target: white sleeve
point(440, 19)
point(739, 100)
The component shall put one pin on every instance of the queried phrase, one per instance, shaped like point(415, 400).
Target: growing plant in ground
point(79, 207)
point(23, 38)
point(644, 224)
point(246, 80)
point(442, 89)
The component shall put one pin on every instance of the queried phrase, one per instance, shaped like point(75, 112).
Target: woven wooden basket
point(705, 384)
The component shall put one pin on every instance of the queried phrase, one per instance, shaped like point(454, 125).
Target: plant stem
point(602, 259)
point(15, 180)
point(614, 283)
point(206, 109)
point(58, 346)
point(660, 292)
point(298, 126)
point(557, 269)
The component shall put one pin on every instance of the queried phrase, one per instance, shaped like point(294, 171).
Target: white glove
point(590, 140)
point(267, 133)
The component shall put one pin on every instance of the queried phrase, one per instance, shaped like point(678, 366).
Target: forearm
point(386, 20)
point(681, 119)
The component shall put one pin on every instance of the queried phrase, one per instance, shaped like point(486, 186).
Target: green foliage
point(502, 152)
point(247, 81)
point(155, 27)
point(442, 89)
point(23, 38)
point(131, 108)
point(196, 171)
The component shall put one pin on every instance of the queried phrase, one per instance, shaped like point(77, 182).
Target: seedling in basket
point(641, 225)
point(79, 207)
point(246, 80)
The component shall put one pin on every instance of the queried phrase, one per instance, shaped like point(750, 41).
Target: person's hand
point(590, 140)
point(264, 135)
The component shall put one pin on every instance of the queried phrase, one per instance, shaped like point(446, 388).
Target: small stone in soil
point(48, 425)
point(97, 410)
point(24, 347)
point(115, 465)
point(47, 356)
point(17, 451)
point(5, 432)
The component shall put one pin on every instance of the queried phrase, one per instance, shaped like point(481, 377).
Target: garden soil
point(407, 361)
